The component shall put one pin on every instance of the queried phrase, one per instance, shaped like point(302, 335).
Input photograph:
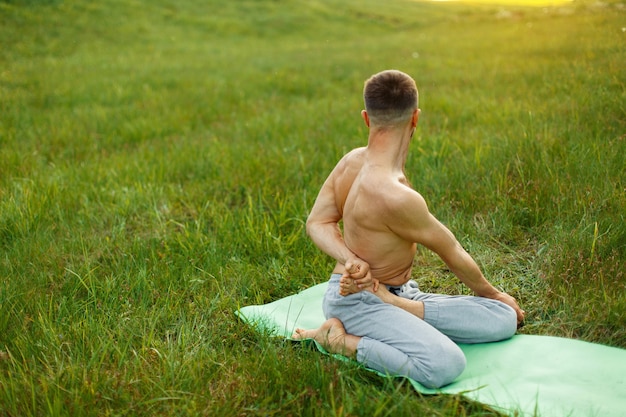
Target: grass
point(158, 161)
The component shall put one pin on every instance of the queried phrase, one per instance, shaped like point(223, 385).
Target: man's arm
point(415, 223)
point(322, 226)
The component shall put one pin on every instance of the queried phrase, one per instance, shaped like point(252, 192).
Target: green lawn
point(158, 160)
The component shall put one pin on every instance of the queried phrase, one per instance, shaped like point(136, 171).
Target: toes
point(300, 334)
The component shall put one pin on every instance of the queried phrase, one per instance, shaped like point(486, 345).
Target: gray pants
point(396, 342)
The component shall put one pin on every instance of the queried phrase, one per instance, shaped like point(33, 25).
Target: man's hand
point(510, 301)
point(357, 277)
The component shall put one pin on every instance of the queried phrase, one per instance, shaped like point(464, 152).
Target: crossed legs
point(393, 341)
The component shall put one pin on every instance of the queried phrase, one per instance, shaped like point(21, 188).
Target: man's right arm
point(322, 226)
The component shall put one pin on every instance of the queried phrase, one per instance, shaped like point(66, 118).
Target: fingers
point(356, 268)
point(512, 302)
point(518, 310)
point(520, 317)
point(356, 277)
point(351, 267)
point(360, 282)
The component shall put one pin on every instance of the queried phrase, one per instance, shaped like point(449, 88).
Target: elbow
point(313, 228)
point(310, 225)
point(317, 228)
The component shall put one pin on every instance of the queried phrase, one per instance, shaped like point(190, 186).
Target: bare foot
point(332, 336)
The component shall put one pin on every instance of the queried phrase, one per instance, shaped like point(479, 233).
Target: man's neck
point(389, 147)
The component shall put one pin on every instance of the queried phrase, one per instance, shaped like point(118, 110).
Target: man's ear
point(365, 117)
point(415, 118)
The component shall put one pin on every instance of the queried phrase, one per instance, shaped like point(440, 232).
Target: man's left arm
point(415, 223)
point(443, 242)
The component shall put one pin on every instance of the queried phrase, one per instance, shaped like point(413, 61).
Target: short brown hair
point(390, 97)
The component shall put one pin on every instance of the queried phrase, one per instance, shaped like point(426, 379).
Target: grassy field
point(158, 160)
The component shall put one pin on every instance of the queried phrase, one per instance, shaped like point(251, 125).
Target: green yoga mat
point(529, 375)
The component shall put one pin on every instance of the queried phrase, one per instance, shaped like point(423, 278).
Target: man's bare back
point(363, 191)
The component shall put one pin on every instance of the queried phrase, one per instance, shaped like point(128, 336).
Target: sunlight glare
point(538, 3)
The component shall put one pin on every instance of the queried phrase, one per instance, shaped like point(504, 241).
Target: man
point(375, 312)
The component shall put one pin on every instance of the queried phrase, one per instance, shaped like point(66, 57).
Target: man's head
point(391, 98)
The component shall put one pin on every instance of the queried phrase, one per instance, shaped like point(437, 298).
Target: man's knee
point(506, 327)
point(439, 370)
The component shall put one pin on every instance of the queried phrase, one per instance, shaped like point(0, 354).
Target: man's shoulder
point(356, 155)
point(402, 197)
point(352, 160)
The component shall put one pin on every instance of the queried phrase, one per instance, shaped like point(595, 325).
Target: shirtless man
point(375, 312)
